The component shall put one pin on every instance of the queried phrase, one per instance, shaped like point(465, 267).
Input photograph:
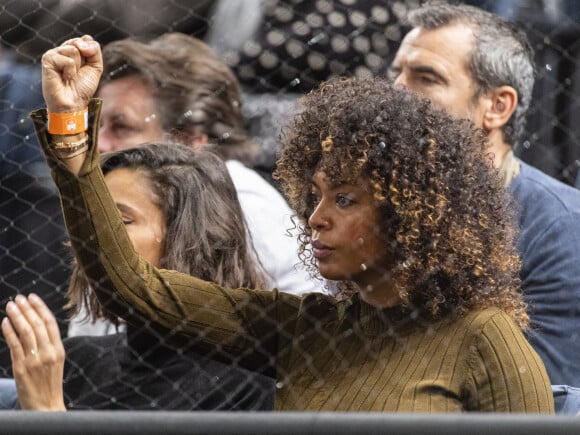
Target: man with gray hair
point(475, 65)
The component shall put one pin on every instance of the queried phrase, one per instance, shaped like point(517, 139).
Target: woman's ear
point(504, 100)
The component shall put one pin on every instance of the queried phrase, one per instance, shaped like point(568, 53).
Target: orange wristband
point(68, 123)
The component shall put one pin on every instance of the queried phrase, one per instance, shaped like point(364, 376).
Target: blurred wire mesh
point(279, 49)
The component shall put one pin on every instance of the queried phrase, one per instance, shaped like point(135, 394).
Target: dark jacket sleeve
point(550, 249)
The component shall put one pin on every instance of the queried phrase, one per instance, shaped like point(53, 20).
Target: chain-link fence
point(278, 50)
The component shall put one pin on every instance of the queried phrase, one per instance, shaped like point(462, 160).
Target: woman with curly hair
point(396, 203)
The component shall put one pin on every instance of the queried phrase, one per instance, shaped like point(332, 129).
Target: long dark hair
point(206, 235)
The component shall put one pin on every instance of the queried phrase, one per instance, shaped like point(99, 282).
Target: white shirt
point(269, 219)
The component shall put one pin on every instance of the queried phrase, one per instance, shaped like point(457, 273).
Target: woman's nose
point(319, 218)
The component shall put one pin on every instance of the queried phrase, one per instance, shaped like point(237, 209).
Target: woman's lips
point(320, 250)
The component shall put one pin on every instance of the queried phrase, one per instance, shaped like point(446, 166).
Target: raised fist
point(71, 74)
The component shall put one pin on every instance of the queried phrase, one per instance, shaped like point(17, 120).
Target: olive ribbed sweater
point(329, 355)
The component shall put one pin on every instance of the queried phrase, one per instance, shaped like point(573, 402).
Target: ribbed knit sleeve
point(507, 374)
point(236, 321)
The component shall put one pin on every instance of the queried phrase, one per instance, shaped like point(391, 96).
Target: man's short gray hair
point(501, 55)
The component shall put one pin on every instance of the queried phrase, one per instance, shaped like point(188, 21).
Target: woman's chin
point(333, 274)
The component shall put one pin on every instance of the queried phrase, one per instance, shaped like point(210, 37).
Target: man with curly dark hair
point(477, 66)
point(388, 192)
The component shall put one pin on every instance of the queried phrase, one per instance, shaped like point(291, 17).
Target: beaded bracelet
point(71, 146)
point(68, 150)
point(76, 152)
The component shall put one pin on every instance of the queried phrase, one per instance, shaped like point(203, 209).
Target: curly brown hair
point(448, 220)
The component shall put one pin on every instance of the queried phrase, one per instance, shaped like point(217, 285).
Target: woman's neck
point(379, 291)
point(380, 299)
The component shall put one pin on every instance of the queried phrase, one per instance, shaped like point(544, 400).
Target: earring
point(363, 267)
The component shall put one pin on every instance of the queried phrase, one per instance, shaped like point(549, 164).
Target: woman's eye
point(314, 199)
point(344, 200)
